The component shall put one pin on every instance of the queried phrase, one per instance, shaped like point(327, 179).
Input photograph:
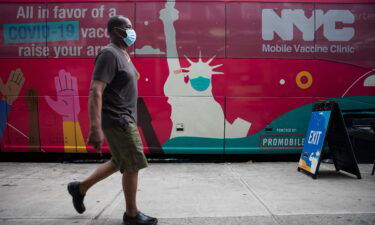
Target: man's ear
point(115, 30)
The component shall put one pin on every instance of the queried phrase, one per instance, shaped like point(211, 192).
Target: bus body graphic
point(215, 77)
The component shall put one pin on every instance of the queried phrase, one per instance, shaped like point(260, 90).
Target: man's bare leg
point(103, 171)
point(129, 186)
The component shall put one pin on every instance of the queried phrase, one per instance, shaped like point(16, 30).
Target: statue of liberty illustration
point(194, 113)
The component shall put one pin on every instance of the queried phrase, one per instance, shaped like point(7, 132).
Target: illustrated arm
point(4, 111)
point(32, 105)
point(175, 84)
point(168, 16)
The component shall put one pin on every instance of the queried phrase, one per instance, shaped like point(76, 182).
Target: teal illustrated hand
point(66, 89)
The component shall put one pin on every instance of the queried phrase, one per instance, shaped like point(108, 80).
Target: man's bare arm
point(95, 110)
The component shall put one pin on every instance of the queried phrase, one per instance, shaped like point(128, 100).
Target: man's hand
point(95, 139)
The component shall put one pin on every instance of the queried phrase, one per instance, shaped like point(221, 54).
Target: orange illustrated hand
point(13, 86)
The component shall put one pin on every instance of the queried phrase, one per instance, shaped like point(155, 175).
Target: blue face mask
point(200, 83)
point(130, 38)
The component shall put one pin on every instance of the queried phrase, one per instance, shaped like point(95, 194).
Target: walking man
point(113, 111)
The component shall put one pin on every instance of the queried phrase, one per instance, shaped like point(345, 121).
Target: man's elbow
point(97, 88)
point(95, 93)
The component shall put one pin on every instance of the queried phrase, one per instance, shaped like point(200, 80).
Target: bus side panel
point(154, 122)
point(277, 124)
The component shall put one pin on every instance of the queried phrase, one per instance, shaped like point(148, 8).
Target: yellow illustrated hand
point(13, 86)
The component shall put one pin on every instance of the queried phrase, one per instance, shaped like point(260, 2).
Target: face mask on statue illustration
point(200, 83)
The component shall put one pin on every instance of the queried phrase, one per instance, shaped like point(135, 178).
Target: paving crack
point(106, 207)
point(252, 192)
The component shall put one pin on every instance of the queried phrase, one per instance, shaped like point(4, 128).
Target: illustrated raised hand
point(13, 86)
point(66, 89)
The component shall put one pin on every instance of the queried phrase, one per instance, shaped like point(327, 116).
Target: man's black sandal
point(139, 219)
point(73, 189)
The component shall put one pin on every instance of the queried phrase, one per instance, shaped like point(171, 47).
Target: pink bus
point(216, 77)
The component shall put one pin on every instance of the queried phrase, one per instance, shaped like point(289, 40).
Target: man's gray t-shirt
point(114, 67)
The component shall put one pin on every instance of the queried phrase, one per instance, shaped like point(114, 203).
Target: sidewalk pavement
point(249, 193)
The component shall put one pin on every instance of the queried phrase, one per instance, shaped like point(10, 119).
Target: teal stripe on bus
point(41, 32)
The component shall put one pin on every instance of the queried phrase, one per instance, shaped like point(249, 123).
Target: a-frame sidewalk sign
point(327, 129)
